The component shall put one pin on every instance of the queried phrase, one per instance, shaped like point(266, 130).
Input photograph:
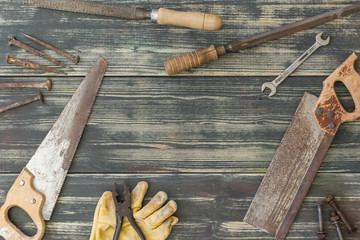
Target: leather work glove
point(154, 220)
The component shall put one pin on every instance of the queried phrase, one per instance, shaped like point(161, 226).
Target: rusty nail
point(332, 125)
point(321, 233)
point(331, 200)
point(15, 42)
point(46, 85)
point(335, 220)
point(319, 111)
point(32, 65)
point(18, 104)
point(330, 114)
point(73, 58)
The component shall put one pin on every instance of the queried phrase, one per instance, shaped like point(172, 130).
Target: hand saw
point(201, 56)
point(37, 187)
point(301, 151)
point(197, 20)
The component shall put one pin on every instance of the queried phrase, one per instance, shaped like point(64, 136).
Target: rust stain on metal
point(73, 58)
point(91, 8)
point(39, 97)
point(290, 28)
point(13, 41)
point(331, 200)
point(47, 84)
point(290, 173)
point(32, 65)
point(52, 159)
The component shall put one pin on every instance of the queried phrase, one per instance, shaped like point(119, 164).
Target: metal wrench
point(276, 82)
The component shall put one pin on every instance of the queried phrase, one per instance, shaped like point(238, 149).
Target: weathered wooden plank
point(140, 47)
point(210, 206)
point(171, 125)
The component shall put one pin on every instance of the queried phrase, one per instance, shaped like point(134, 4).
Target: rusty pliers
point(123, 208)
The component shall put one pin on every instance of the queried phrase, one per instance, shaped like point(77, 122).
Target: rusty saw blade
point(301, 151)
point(37, 187)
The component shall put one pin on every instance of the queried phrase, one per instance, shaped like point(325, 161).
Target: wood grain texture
point(141, 47)
point(209, 206)
point(206, 137)
point(171, 125)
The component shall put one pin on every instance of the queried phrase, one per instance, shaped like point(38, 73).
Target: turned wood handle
point(193, 59)
point(197, 20)
point(22, 194)
point(329, 112)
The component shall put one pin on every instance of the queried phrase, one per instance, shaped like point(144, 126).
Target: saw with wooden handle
point(197, 20)
point(37, 187)
point(301, 151)
point(202, 56)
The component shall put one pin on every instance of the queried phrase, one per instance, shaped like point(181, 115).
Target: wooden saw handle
point(197, 20)
point(193, 59)
point(329, 112)
point(22, 194)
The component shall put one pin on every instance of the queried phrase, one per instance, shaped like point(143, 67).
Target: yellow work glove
point(154, 220)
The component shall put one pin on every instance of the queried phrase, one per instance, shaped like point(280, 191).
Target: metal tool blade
point(290, 28)
point(291, 172)
point(52, 159)
point(92, 8)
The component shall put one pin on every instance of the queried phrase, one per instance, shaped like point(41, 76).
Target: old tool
point(37, 187)
point(123, 209)
point(331, 200)
point(13, 41)
point(46, 85)
point(302, 149)
point(73, 58)
point(321, 234)
point(335, 219)
point(32, 65)
point(22, 103)
point(202, 21)
point(277, 81)
point(205, 55)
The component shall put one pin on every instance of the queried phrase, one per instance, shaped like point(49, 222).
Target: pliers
point(123, 208)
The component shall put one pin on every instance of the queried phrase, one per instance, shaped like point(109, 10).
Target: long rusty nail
point(18, 104)
point(331, 200)
point(321, 233)
point(73, 58)
point(13, 41)
point(32, 65)
point(46, 85)
point(335, 220)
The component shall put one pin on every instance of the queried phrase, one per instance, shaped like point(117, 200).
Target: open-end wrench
point(276, 82)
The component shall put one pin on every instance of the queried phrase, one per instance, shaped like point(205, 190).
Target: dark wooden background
point(205, 136)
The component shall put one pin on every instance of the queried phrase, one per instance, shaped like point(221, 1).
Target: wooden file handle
point(193, 59)
point(22, 194)
point(197, 20)
point(329, 112)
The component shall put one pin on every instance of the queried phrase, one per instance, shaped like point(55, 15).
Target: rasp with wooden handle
point(38, 186)
point(205, 55)
point(301, 151)
point(197, 20)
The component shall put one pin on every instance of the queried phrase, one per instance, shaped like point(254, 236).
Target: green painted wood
point(206, 137)
point(140, 47)
point(210, 206)
point(171, 125)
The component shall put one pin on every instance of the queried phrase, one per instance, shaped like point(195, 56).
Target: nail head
point(330, 114)
point(319, 111)
point(332, 125)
